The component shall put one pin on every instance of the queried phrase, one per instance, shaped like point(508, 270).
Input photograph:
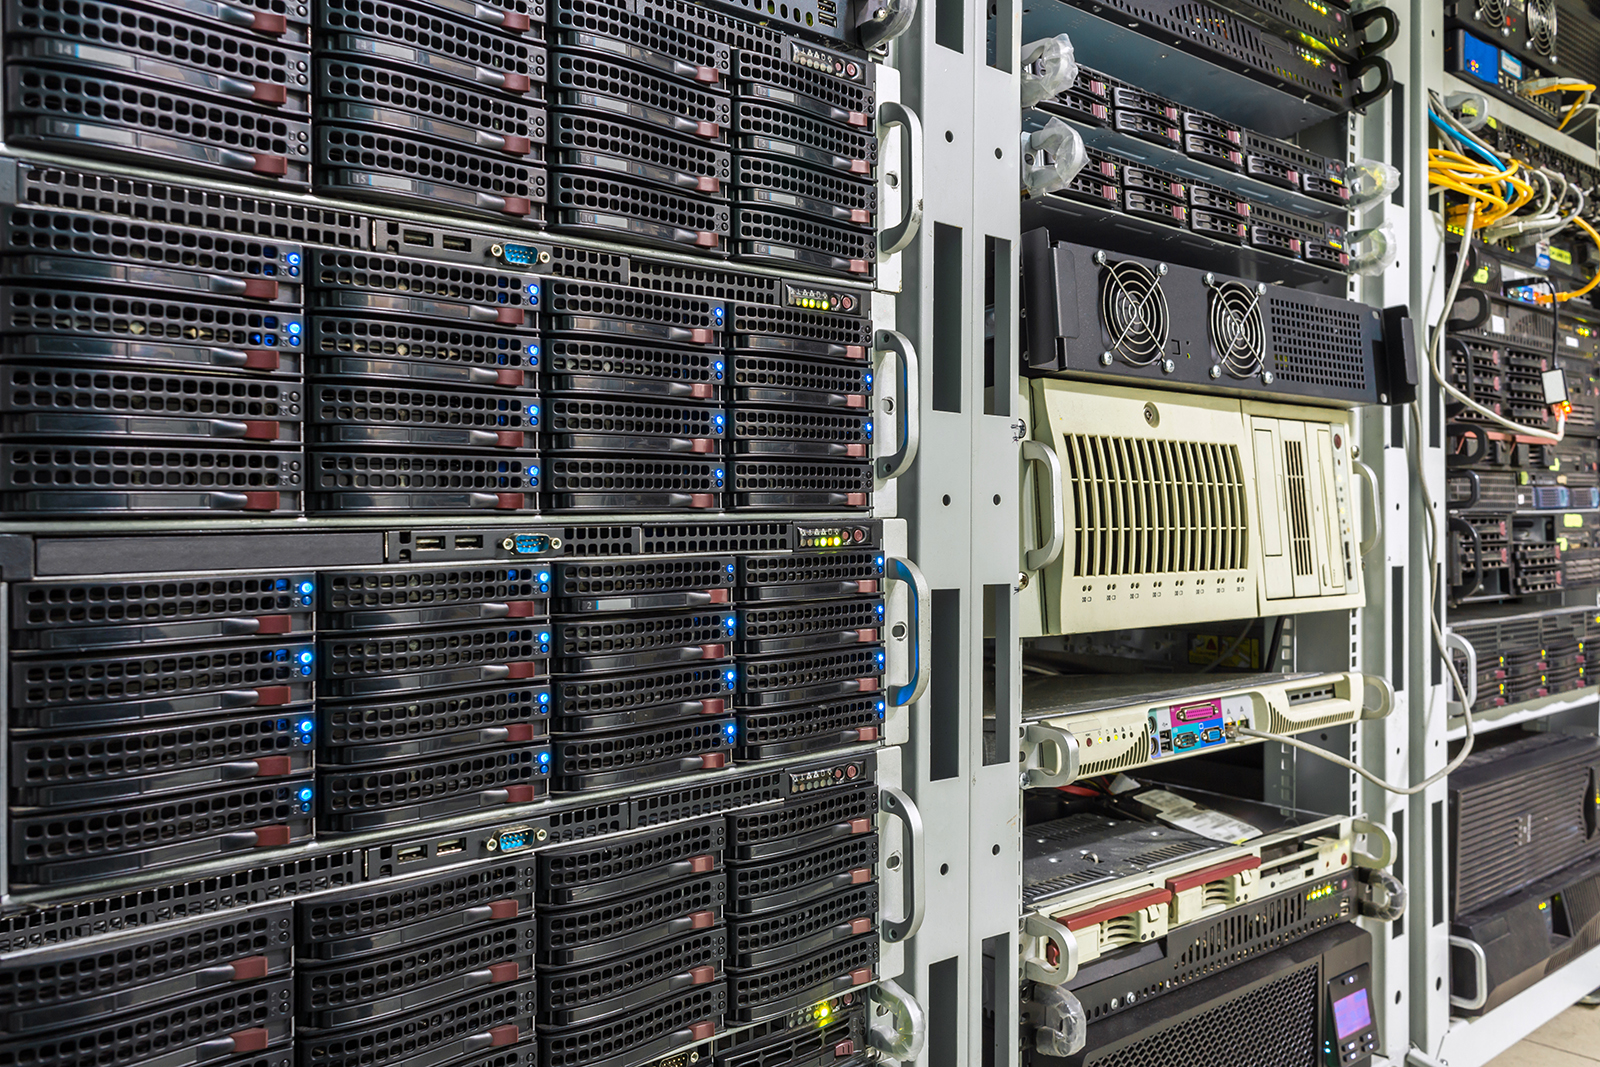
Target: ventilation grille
point(1315, 345)
point(1294, 465)
point(1155, 507)
point(619, 858)
point(1135, 756)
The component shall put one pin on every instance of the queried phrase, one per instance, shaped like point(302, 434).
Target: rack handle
point(903, 570)
point(1037, 559)
point(914, 905)
point(1370, 480)
point(895, 343)
point(896, 237)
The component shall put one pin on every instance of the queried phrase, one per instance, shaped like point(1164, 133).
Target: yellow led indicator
point(1572, 522)
point(1481, 276)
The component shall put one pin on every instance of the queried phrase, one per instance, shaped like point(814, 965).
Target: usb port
point(456, 244)
point(430, 544)
point(411, 852)
point(450, 848)
point(417, 237)
point(469, 540)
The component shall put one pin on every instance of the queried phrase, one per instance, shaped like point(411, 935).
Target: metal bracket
point(1041, 742)
point(1037, 967)
point(895, 803)
point(899, 1026)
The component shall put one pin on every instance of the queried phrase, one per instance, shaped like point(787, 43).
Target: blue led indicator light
point(305, 794)
point(544, 576)
point(295, 327)
point(293, 259)
point(306, 726)
point(306, 587)
point(730, 568)
point(306, 656)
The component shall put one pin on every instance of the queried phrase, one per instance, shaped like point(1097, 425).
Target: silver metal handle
point(1371, 481)
point(899, 1028)
point(895, 803)
point(1038, 969)
point(1480, 977)
point(1385, 692)
point(1037, 559)
point(893, 342)
point(1452, 640)
point(903, 570)
point(896, 237)
point(1374, 831)
point(1040, 739)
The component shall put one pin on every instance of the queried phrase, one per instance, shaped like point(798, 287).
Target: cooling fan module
point(1542, 26)
point(1133, 311)
point(1237, 330)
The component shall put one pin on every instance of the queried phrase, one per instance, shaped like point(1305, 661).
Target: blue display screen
point(1352, 1014)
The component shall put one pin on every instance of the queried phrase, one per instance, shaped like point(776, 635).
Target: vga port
point(514, 255)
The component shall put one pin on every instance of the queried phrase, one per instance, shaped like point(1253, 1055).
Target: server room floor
point(1571, 1039)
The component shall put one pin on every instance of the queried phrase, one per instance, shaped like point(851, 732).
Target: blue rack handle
point(903, 570)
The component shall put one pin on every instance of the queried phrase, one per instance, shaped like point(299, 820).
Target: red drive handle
point(253, 1040)
point(714, 706)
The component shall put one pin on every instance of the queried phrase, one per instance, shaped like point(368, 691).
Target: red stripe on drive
point(508, 439)
point(868, 586)
point(272, 766)
point(861, 976)
point(268, 93)
point(859, 826)
point(504, 909)
point(708, 129)
point(855, 451)
point(702, 975)
point(855, 500)
point(252, 1040)
point(265, 22)
point(504, 1035)
point(702, 391)
point(706, 239)
point(702, 445)
point(515, 21)
point(713, 651)
point(701, 336)
point(713, 707)
point(860, 166)
point(260, 430)
point(1185, 882)
point(263, 501)
point(712, 760)
point(515, 83)
point(860, 926)
point(516, 205)
point(519, 794)
point(857, 118)
point(270, 165)
point(866, 637)
point(273, 624)
point(508, 501)
point(271, 836)
point(509, 316)
point(867, 685)
point(843, 1049)
point(504, 972)
point(509, 376)
point(249, 968)
point(516, 144)
point(708, 75)
point(855, 352)
point(269, 695)
point(859, 266)
point(707, 184)
point(718, 596)
point(855, 400)
point(259, 360)
point(860, 216)
point(1116, 909)
point(701, 1031)
point(702, 920)
point(702, 864)
point(522, 670)
point(703, 500)
point(867, 733)
point(522, 609)
point(861, 876)
point(519, 732)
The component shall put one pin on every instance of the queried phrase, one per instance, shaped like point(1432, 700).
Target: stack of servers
point(813, 663)
point(639, 122)
point(435, 970)
point(149, 368)
point(810, 627)
point(210, 991)
point(218, 89)
point(804, 155)
point(645, 674)
point(432, 104)
point(158, 722)
point(802, 418)
point(631, 945)
point(435, 693)
point(422, 397)
point(615, 450)
point(803, 899)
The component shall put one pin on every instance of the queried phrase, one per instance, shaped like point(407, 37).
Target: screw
point(555, 542)
point(1266, 377)
point(1209, 278)
point(508, 544)
point(1261, 289)
point(1161, 269)
point(1100, 258)
point(1106, 359)
point(1167, 366)
point(492, 845)
point(541, 835)
point(1216, 371)
point(496, 250)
